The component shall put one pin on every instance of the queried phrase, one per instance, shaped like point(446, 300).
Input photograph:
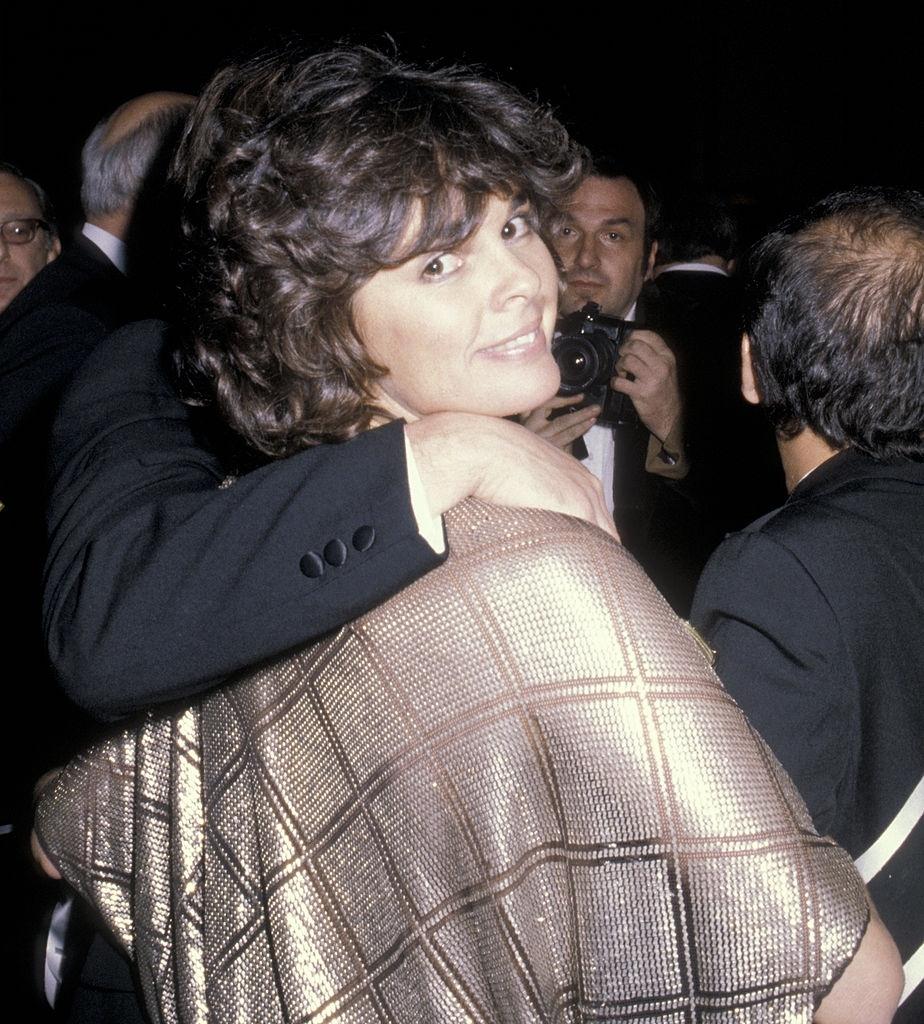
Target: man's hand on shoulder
point(562, 431)
point(654, 391)
point(462, 455)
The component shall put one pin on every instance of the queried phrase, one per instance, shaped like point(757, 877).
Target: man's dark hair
point(46, 209)
point(604, 166)
point(834, 308)
point(303, 177)
point(694, 225)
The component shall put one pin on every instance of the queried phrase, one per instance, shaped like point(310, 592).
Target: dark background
point(772, 104)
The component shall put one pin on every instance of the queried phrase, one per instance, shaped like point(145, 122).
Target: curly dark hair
point(834, 308)
point(301, 178)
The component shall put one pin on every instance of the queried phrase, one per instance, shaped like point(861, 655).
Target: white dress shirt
point(114, 248)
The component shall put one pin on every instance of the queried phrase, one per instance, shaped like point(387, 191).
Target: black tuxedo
point(159, 583)
point(815, 612)
point(735, 468)
point(657, 519)
point(671, 526)
point(45, 333)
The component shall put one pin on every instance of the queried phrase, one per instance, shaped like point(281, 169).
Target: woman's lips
point(521, 346)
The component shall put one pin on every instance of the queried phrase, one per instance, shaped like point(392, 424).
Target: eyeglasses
point(21, 232)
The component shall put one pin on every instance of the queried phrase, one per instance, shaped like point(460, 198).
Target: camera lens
point(578, 363)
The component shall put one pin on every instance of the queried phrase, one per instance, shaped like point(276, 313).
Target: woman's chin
point(501, 402)
point(539, 395)
point(498, 402)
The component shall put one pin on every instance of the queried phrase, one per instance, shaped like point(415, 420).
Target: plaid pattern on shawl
point(514, 792)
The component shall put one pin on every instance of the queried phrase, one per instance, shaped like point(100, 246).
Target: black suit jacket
point(735, 467)
point(160, 583)
point(670, 525)
point(45, 333)
point(816, 615)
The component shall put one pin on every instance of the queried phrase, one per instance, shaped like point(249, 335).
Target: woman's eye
point(447, 263)
point(516, 226)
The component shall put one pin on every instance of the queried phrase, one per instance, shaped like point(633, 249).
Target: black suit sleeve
point(779, 654)
point(46, 348)
point(159, 583)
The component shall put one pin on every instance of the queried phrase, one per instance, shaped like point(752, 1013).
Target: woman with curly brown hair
point(515, 791)
point(307, 180)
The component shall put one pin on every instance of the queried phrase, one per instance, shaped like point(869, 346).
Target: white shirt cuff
point(429, 526)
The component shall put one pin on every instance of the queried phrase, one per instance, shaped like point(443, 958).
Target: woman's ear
point(748, 380)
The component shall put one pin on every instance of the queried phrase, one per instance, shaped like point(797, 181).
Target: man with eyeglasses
point(53, 311)
point(28, 240)
point(28, 243)
point(49, 323)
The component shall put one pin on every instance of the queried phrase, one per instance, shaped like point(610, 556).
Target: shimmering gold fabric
point(514, 792)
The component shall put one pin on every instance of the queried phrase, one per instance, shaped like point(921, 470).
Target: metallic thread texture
point(515, 792)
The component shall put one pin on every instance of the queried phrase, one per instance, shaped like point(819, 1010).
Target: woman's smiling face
point(466, 330)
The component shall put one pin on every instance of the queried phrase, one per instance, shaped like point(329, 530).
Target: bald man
point(120, 160)
point(49, 321)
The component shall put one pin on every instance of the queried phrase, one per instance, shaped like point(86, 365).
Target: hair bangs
point(444, 194)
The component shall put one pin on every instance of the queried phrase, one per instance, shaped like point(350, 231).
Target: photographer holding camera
point(606, 247)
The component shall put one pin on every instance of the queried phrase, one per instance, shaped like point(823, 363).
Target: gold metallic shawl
point(514, 792)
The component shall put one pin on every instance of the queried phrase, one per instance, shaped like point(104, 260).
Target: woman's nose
point(518, 277)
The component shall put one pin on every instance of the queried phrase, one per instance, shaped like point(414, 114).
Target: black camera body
point(586, 348)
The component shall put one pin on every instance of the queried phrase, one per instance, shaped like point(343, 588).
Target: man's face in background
point(601, 242)
point(20, 263)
